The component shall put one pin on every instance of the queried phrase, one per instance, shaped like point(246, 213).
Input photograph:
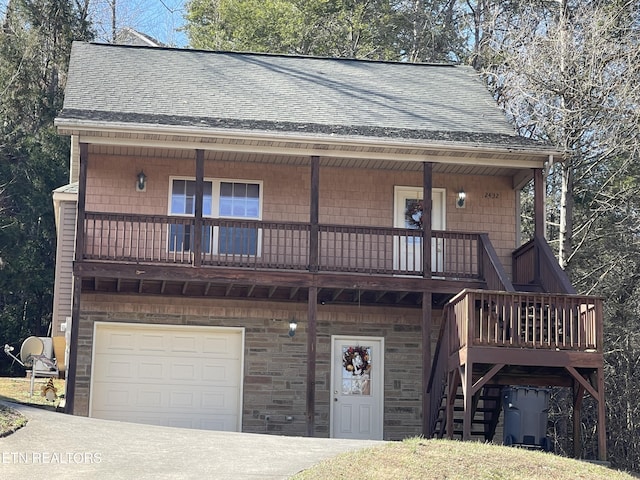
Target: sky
point(160, 19)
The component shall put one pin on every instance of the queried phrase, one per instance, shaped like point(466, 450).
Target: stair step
point(459, 432)
point(478, 409)
point(494, 398)
point(473, 421)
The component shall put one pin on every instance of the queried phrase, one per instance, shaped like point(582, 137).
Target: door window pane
point(356, 363)
point(413, 213)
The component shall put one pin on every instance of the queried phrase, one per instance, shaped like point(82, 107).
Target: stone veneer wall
point(274, 363)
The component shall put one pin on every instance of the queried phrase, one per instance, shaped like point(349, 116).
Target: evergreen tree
point(419, 30)
point(35, 42)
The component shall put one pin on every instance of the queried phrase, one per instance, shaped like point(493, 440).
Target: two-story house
point(305, 246)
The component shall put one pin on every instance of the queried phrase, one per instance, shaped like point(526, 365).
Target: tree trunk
point(566, 215)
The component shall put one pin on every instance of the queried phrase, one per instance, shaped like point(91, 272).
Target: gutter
point(323, 144)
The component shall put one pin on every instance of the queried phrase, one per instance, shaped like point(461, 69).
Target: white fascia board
point(324, 144)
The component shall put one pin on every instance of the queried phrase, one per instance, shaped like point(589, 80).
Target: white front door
point(357, 387)
point(408, 249)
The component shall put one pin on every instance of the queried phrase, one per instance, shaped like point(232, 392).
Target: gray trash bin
point(525, 417)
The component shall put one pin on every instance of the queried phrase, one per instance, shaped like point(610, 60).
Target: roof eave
point(324, 144)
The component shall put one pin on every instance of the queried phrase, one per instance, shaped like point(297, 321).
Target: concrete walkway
point(54, 445)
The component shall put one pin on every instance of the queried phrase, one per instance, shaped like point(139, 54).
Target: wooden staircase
point(484, 417)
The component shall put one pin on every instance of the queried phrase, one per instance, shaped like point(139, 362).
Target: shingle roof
point(174, 87)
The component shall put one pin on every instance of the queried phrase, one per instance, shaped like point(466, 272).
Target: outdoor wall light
point(461, 198)
point(141, 184)
point(293, 325)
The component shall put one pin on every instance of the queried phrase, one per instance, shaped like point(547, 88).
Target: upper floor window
point(239, 200)
point(222, 199)
point(183, 197)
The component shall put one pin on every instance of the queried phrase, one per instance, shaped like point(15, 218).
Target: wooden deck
point(490, 339)
point(367, 265)
point(281, 246)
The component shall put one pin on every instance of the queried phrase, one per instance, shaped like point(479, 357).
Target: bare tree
point(160, 19)
point(568, 72)
point(569, 75)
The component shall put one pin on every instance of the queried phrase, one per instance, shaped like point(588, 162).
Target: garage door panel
point(223, 347)
point(131, 367)
point(125, 342)
point(140, 397)
point(151, 370)
point(118, 397)
point(152, 343)
point(185, 344)
point(194, 382)
point(181, 372)
point(120, 369)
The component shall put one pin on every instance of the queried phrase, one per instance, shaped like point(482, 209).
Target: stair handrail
point(545, 270)
point(550, 269)
point(437, 383)
point(492, 269)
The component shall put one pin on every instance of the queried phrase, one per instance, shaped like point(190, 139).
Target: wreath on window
point(413, 214)
point(356, 360)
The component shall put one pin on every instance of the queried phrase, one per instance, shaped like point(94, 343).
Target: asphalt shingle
point(286, 93)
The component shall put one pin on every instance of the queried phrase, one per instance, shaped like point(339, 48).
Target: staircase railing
point(534, 263)
point(492, 270)
point(438, 375)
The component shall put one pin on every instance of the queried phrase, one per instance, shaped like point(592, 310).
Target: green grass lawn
point(422, 459)
point(16, 390)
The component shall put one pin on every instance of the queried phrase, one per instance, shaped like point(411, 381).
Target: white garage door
point(182, 376)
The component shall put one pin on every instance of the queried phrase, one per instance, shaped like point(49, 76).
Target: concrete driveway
point(54, 445)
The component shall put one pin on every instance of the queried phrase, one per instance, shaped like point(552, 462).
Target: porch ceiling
point(402, 156)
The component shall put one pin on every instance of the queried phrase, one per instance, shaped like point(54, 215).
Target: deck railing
point(522, 320)
point(285, 245)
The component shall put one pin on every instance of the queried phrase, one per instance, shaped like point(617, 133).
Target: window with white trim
point(238, 200)
point(233, 199)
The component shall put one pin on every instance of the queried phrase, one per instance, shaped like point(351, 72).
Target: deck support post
point(312, 310)
point(314, 214)
point(197, 222)
point(452, 382)
point(602, 433)
point(467, 381)
point(538, 203)
point(70, 384)
point(578, 395)
point(427, 206)
point(426, 361)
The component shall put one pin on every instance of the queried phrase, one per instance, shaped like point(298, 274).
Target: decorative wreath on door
point(413, 214)
point(356, 360)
